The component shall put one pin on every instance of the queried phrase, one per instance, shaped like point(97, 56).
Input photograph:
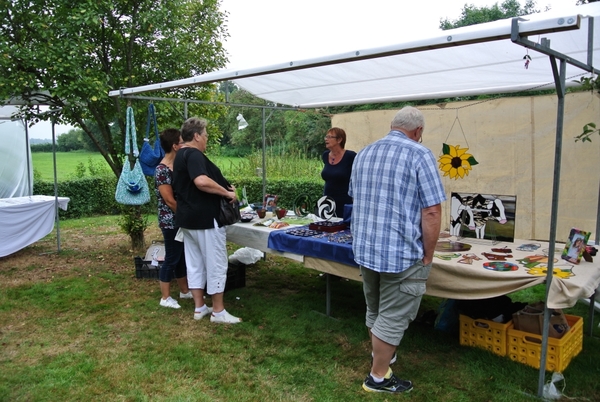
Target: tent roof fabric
point(474, 60)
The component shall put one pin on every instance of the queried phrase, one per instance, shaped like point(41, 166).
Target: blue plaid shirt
point(392, 180)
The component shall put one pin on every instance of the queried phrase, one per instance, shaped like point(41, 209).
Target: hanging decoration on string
point(455, 161)
point(527, 59)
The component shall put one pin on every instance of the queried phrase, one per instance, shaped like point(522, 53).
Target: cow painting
point(475, 211)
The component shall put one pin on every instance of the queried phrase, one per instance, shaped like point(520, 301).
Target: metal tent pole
point(56, 218)
point(559, 78)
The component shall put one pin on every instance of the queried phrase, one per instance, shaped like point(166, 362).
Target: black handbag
point(229, 213)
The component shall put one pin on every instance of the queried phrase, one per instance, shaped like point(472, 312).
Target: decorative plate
point(326, 207)
point(302, 205)
point(500, 266)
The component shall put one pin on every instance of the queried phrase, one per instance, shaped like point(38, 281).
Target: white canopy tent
point(559, 46)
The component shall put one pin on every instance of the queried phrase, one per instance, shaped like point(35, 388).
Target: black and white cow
point(485, 210)
point(474, 212)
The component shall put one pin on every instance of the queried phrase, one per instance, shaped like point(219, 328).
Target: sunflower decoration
point(541, 270)
point(455, 161)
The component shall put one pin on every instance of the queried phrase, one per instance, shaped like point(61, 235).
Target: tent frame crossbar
point(559, 73)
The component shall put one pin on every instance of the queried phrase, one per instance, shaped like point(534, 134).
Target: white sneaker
point(169, 302)
point(187, 295)
point(202, 314)
point(225, 318)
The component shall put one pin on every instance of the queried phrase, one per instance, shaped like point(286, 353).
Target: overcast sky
point(264, 32)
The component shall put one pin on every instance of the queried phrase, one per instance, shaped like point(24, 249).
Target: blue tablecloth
point(328, 246)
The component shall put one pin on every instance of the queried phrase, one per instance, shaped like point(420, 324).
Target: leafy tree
point(472, 15)
point(70, 141)
point(73, 53)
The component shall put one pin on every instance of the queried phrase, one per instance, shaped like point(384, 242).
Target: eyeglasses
point(329, 137)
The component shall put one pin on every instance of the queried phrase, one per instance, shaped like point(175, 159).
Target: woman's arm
point(166, 192)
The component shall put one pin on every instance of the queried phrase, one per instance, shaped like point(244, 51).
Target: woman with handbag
point(174, 263)
point(200, 186)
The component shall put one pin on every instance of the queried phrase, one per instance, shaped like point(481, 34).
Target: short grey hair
point(191, 126)
point(408, 118)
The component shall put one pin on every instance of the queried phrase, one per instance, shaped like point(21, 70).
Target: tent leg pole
point(56, 218)
point(559, 80)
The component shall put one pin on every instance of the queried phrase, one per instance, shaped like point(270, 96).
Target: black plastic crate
point(145, 269)
point(236, 276)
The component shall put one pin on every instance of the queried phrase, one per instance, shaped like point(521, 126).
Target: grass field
point(79, 326)
point(67, 162)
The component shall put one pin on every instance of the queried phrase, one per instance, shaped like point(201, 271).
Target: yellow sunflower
point(455, 161)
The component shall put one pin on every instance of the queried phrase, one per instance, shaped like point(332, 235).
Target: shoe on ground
point(202, 314)
point(187, 295)
point(392, 361)
point(169, 302)
point(225, 318)
point(390, 384)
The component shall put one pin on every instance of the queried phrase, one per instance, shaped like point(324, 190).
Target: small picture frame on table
point(270, 202)
point(575, 246)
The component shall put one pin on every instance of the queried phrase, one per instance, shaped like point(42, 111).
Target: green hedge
point(96, 195)
point(90, 196)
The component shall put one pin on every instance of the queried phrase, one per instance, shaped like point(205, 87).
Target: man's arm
point(431, 222)
point(208, 185)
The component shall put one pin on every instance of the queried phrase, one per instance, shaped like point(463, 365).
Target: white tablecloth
point(25, 220)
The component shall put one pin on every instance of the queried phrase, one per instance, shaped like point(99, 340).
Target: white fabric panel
point(469, 69)
point(16, 170)
point(25, 220)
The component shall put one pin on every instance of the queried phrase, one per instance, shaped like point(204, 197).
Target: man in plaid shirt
point(396, 219)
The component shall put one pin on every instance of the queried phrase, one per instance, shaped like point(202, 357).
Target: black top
point(337, 180)
point(195, 209)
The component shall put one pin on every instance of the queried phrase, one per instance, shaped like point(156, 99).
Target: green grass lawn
point(67, 162)
point(79, 326)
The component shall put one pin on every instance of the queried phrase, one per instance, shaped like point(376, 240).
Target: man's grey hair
point(408, 118)
point(191, 126)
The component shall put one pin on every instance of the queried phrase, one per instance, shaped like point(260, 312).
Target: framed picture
point(483, 216)
point(270, 202)
point(575, 245)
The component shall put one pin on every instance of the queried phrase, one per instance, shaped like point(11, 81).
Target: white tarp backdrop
point(16, 179)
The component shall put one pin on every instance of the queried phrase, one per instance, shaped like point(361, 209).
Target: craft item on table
point(302, 205)
point(563, 272)
point(447, 257)
point(575, 246)
point(529, 247)
point(502, 250)
point(344, 236)
point(266, 222)
point(302, 232)
point(478, 216)
point(534, 260)
point(248, 216)
point(451, 246)
point(500, 266)
point(469, 258)
point(444, 235)
point(270, 202)
point(326, 207)
point(278, 225)
point(327, 226)
point(496, 257)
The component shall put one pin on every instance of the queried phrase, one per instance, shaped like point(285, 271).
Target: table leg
point(591, 311)
point(327, 297)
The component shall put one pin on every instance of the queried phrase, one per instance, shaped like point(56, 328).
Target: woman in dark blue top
point(337, 168)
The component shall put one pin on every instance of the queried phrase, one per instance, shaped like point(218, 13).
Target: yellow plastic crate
point(484, 334)
point(526, 348)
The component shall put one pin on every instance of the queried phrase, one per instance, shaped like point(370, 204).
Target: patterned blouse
point(166, 217)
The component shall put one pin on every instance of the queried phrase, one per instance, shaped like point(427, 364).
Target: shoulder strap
point(130, 135)
point(151, 120)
